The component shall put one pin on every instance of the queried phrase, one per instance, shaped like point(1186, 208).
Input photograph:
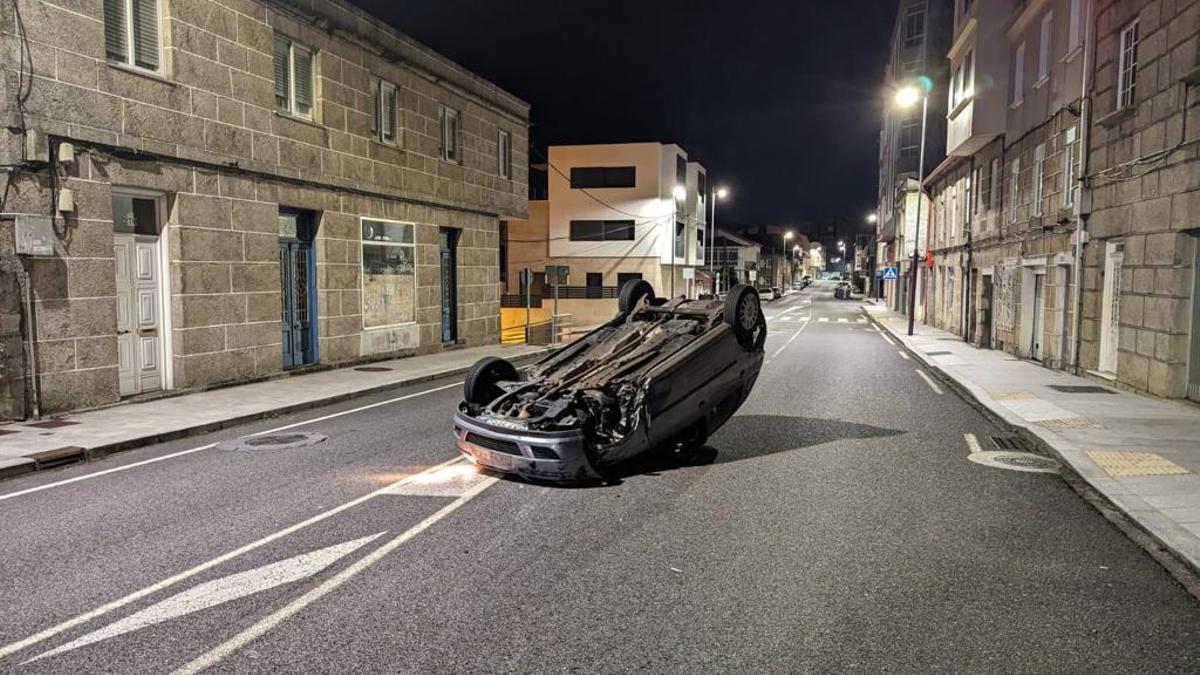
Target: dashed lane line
point(887, 339)
point(790, 340)
point(973, 443)
point(932, 385)
point(903, 354)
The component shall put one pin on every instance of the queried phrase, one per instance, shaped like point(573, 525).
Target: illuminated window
point(388, 279)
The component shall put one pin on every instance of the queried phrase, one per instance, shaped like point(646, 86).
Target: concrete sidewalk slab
point(26, 446)
point(1140, 453)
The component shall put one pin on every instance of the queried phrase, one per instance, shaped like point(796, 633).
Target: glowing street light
point(680, 194)
point(907, 97)
point(720, 193)
point(872, 218)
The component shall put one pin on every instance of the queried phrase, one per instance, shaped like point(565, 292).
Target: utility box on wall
point(34, 235)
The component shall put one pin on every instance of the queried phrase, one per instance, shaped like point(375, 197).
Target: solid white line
point(973, 443)
point(780, 350)
point(219, 592)
point(887, 339)
point(217, 654)
point(171, 581)
point(903, 355)
point(936, 389)
point(181, 453)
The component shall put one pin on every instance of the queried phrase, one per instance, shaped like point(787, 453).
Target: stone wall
point(1146, 193)
point(203, 134)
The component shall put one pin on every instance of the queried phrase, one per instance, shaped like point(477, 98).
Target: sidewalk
point(26, 446)
point(1140, 453)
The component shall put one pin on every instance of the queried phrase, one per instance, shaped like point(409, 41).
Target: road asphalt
point(835, 524)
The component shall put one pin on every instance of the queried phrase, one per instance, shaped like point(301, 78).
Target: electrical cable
point(597, 199)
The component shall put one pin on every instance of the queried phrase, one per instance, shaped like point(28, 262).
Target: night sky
point(778, 99)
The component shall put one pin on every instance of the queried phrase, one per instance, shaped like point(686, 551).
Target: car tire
point(632, 293)
point(482, 385)
point(743, 312)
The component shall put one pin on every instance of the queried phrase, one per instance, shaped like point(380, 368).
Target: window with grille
point(383, 121)
point(1018, 92)
point(1013, 180)
point(131, 33)
point(1127, 71)
point(293, 78)
point(451, 150)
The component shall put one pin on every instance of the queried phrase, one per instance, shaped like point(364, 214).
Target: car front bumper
point(554, 455)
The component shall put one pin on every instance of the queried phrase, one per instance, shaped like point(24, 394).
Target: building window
point(583, 177)
point(994, 185)
point(680, 170)
point(962, 83)
point(914, 26)
point(383, 122)
point(504, 254)
point(451, 150)
point(1014, 179)
point(1044, 47)
point(293, 78)
point(949, 288)
point(595, 285)
point(952, 213)
point(1127, 72)
point(1069, 166)
point(623, 277)
point(967, 206)
point(1075, 30)
point(504, 154)
point(388, 282)
point(1039, 174)
point(1018, 92)
point(910, 138)
point(602, 230)
point(983, 188)
point(131, 33)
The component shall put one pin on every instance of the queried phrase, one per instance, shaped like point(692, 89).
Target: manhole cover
point(1015, 461)
point(274, 441)
point(1080, 389)
point(373, 369)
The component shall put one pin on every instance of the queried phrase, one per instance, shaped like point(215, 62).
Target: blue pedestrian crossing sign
point(889, 274)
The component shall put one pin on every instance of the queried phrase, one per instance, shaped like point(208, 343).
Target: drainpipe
point(35, 389)
point(1085, 194)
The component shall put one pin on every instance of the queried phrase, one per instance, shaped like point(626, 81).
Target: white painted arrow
point(220, 591)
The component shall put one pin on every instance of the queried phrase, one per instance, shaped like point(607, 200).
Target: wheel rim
point(749, 313)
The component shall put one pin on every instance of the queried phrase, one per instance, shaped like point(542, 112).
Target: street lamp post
point(719, 193)
point(786, 237)
point(680, 195)
point(907, 97)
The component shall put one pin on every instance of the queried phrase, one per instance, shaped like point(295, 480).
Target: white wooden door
point(1039, 312)
point(1110, 313)
point(139, 324)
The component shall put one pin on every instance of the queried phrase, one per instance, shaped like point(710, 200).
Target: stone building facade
point(236, 188)
point(1141, 301)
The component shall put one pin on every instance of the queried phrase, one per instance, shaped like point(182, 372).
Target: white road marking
point(181, 453)
point(936, 389)
point(973, 443)
point(903, 355)
point(219, 592)
point(252, 633)
point(187, 574)
point(796, 335)
point(887, 339)
point(843, 320)
point(823, 319)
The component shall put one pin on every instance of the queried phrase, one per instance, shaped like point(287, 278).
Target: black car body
point(661, 373)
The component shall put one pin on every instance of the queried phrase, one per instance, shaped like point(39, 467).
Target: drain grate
point(373, 369)
point(1015, 461)
point(1080, 389)
point(1010, 443)
point(49, 459)
point(274, 441)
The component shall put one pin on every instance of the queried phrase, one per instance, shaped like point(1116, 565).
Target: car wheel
point(632, 293)
point(743, 312)
point(482, 385)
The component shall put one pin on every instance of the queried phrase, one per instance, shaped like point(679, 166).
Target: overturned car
point(661, 374)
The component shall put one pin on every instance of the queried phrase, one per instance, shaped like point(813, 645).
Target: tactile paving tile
point(1070, 423)
point(1119, 463)
point(1002, 394)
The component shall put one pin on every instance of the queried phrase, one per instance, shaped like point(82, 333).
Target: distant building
point(611, 216)
point(734, 258)
point(920, 41)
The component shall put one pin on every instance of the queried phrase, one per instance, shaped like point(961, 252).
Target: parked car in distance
point(663, 373)
point(767, 294)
